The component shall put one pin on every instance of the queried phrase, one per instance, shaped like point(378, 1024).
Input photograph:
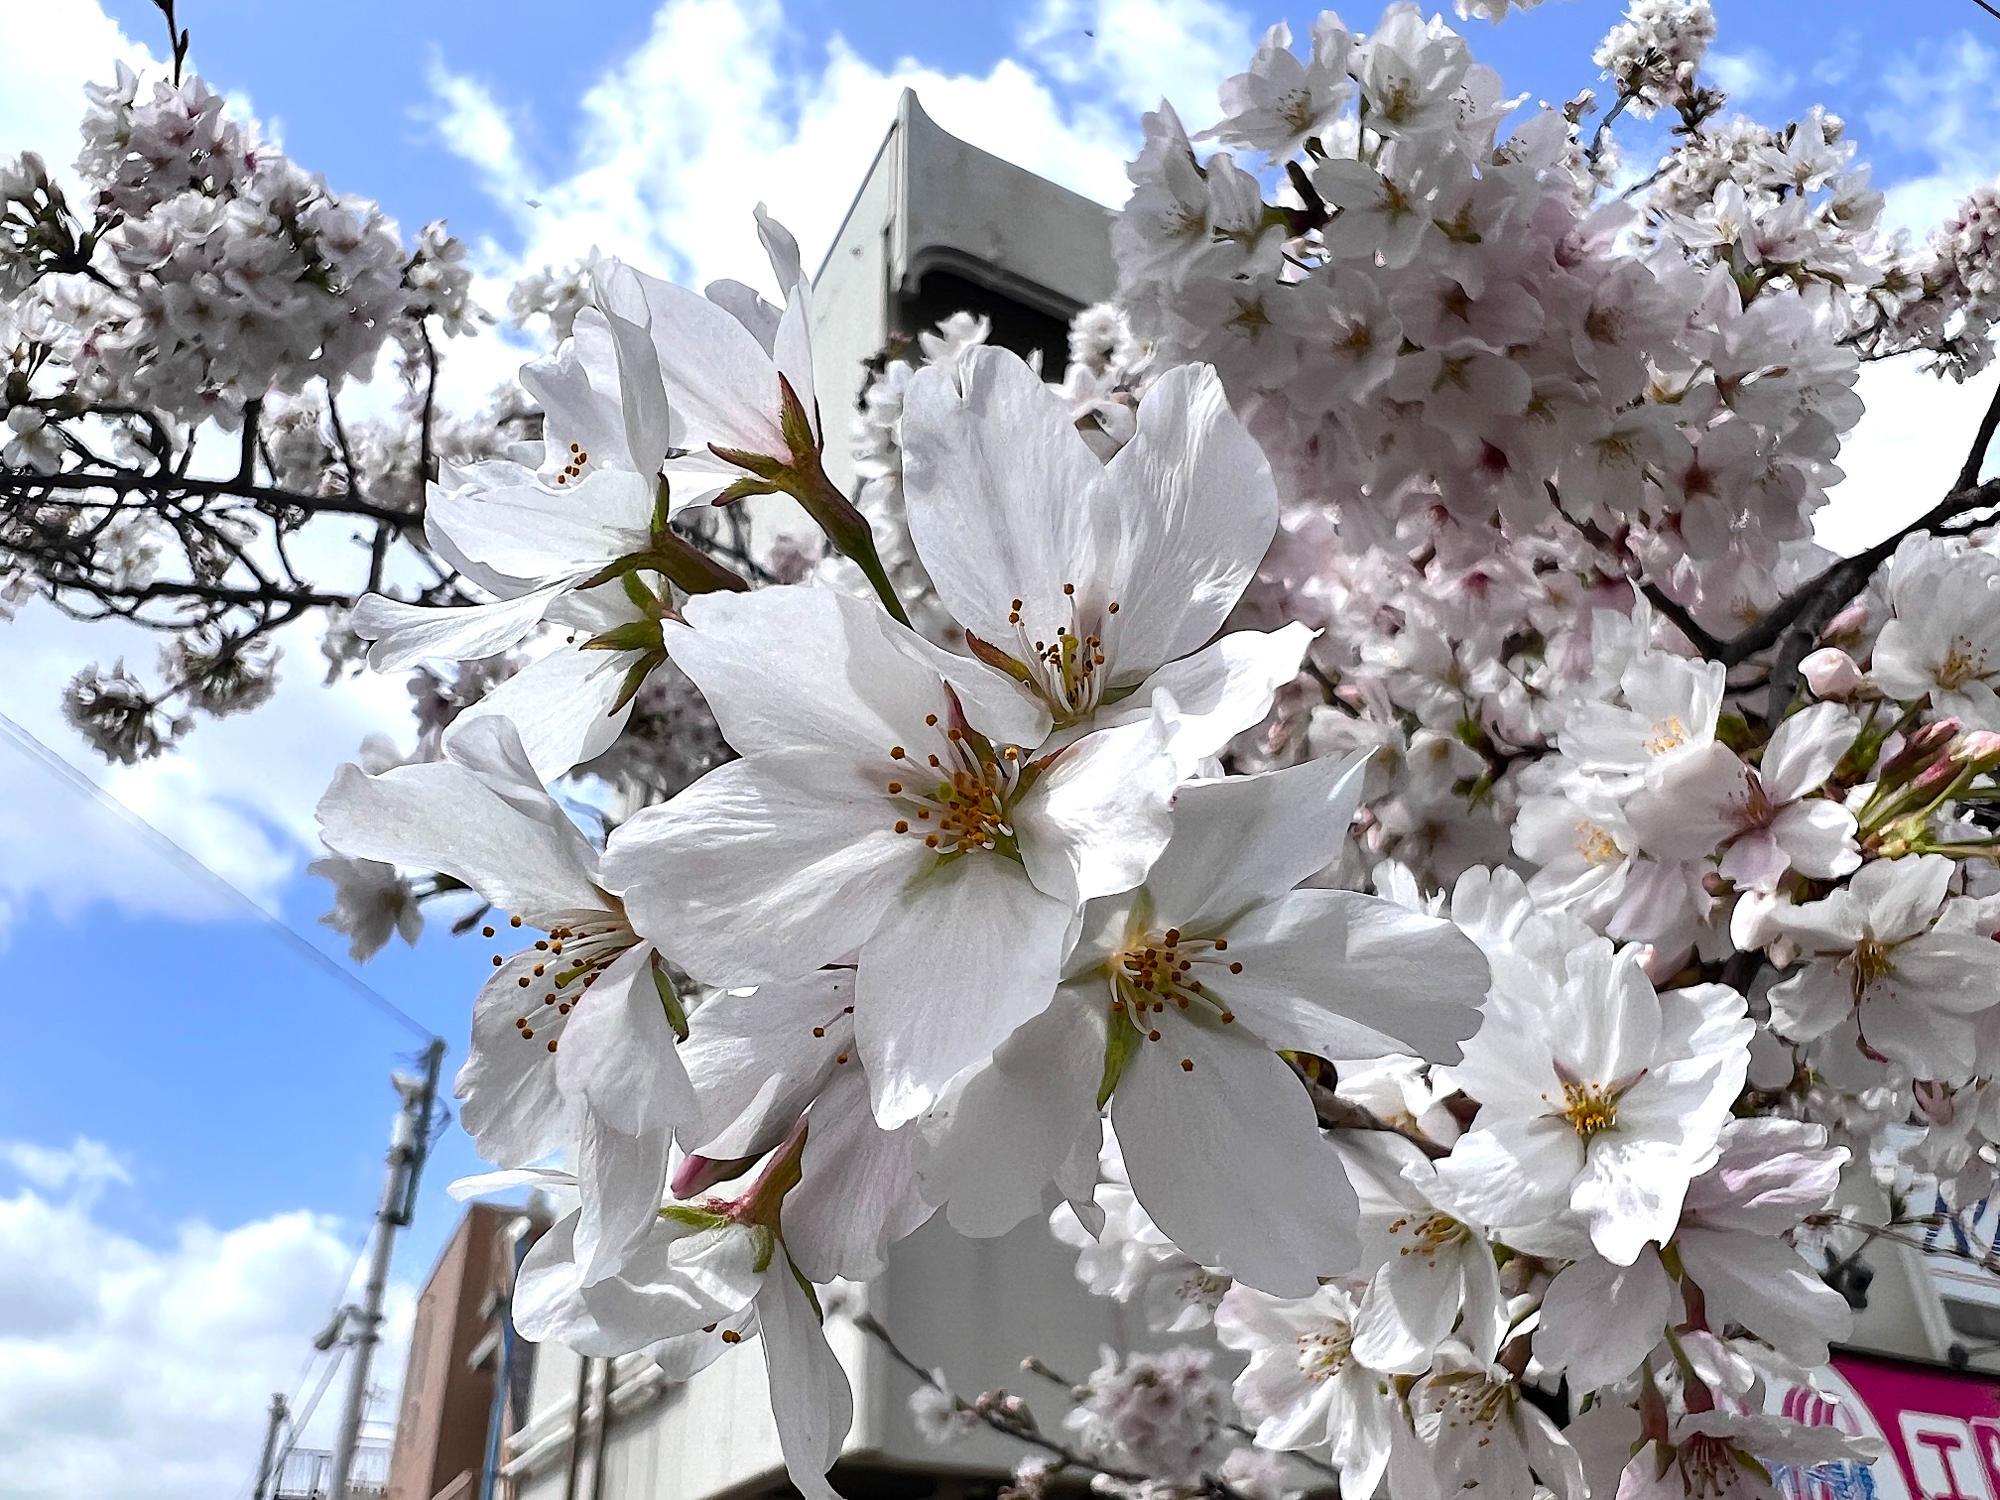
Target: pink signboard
point(1941, 1428)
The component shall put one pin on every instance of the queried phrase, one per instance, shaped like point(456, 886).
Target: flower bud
point(1921, 747)
point(1831, 673)
point(1977, 751)
point(697, 1174)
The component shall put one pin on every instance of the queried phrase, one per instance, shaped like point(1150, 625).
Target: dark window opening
point(1016, 325)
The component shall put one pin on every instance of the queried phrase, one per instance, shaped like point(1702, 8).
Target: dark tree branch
point(20, 482)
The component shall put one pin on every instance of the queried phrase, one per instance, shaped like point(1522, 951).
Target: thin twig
point(1066, 1457)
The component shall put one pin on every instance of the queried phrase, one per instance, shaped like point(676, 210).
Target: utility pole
point(409, 1143)
point(266, 1480)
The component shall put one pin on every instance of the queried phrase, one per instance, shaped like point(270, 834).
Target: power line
point(59, 766)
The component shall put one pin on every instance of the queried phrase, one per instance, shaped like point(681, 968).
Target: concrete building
point(936, 227)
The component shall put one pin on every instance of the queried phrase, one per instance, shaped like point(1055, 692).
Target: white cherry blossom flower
point(705, 1279)
point(1305, 1386)
point(1764, 819)
point(884, 807)
point(1186, 987)
point(1281, 102)
point(1721, 1454)
point(1876, 963)
point(1480, 1432)
point(572, 1044)
point(1942, 639)
point(1098, 585)
point(1433, 1274)
point(1597, 1095)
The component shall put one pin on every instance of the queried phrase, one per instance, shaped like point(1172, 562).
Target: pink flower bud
point(697, 1174)
point(1921, 747)
point(1831, 673)
point(1848, 621)
point(1977, 751)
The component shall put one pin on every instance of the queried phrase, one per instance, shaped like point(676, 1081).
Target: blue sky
point(235, 1082)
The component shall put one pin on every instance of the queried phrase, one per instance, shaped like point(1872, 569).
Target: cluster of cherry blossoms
point(1365, 791)
point(207, 268)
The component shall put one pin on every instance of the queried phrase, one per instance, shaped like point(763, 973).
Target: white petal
point(1600, 1320)
point(678, 1281)
point(1098, 817)
point(858, 1192)
point(717, 376)
point(812, 669)
point(1220, 691)
point(810, 1397)
point(561, 704)
point(781, 249)
point(1818, 835)
point(618, 1054)
point(1000, 1141)
point(994, 475)
point(749, 876)
point(531, 532)
point(970, 952)
point(1690, 811)
point(405, 634)
point(1228, 1159)
point(441, 816)
point(508, 1100)
point(1408, 1310)
point(1901, 896)
point(1805, 748)
point(1192, 506)
point(756, 1063)
point(1244, 839)
point(1766, 1285)
point(1347, 975)
point(642, 396)
point(621, 1180)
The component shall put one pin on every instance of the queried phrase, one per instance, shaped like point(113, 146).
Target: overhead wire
point(60, 766)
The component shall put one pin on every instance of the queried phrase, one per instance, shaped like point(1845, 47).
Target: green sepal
point(766, 1240)
point(643, 599)
point(1121, 1045)
point(744, 489)
point(796, 424)
point(774, 471)
point(669, 1000)
point(633, 635)
point(811, 1291)
point(636, 679)
point(693, 1217)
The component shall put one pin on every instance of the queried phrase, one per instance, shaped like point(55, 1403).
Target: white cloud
point(84, 1166)
point(1939, 102)
point(1749, 75)
point(71, 45)
point(1134, 53)
point(238, 795)
point(132, 1371)
point(680, 137)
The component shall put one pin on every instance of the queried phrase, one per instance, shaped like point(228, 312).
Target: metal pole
point(265, 1478)
point(516, 1238)
point(408, 1144)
